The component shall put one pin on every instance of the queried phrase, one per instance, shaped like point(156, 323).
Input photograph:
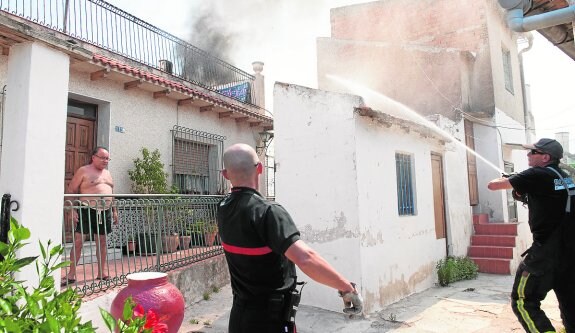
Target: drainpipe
point(518, 23)
point(526, 109)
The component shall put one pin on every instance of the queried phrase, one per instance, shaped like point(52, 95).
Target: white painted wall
point(336, 176)
point(316, 178)
point(32, 165)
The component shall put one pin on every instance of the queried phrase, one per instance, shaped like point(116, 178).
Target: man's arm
point(316, 267)
point(74, 188)
point(501, 183)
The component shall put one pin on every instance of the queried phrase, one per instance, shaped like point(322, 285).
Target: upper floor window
point(507, 73)
point(405, 184)
point(197, 161)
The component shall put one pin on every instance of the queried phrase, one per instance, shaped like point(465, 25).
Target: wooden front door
point(79, 145)
point(438, 195)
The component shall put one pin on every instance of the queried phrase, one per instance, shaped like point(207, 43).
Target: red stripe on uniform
point(248, 251)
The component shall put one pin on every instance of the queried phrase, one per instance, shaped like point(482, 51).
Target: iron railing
point(154, 233)
point(106, 26)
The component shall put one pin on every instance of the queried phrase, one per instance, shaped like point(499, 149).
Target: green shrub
point(452, 269)
point(148, 175)
point(43, 309)
point(36, 309)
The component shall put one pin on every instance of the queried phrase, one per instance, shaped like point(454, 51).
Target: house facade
point(68, 90)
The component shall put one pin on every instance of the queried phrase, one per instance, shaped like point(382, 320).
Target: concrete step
point(493, 240)
point(497, 229)
point(490, 252)
point(492, 245)
point(493, 265)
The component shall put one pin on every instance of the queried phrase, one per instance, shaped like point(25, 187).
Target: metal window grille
point(197, 161)
point(405, 184)
point(507, 70)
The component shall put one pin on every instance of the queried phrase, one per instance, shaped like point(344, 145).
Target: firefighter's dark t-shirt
point(546, 199)
point(255, 233)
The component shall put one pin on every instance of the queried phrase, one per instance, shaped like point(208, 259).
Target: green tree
point(148, 175)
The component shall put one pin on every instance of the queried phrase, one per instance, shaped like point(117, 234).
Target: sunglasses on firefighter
point(536, 152)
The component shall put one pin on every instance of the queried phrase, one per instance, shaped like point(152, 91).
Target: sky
point(283, 33)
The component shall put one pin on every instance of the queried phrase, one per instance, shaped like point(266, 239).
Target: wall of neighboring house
point(337, 177)
point(508, 97)
point(147, 122)
point(411, 52)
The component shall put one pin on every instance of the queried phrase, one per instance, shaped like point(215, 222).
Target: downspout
point(526, 111)
point(518, 23)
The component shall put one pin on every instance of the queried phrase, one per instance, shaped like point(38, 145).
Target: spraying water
point(366, 93)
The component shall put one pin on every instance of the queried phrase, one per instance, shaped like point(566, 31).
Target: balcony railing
point(154, 233)
point(106, 26)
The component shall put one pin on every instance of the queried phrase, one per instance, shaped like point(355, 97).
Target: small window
point(405, 184)
point(82, 110)
point(507, 70)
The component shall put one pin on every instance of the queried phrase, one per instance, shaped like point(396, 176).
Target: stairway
point(492, 245)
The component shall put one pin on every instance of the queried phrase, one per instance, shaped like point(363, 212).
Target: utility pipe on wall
point(518, 23)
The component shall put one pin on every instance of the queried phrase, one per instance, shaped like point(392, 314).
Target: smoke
point(211, 33)
point(281, 33)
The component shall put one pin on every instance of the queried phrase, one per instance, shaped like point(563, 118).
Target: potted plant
point(208, 229)
point(148, 177)
point(186, 239)
point(210, 233)
point(170, 242)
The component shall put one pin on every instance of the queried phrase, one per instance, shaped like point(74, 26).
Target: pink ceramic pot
point(152, 291)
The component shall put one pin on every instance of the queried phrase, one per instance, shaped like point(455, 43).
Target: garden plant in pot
point(148, 177)
point(205, 232)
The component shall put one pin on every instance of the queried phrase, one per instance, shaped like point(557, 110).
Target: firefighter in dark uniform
point(261, 245)
point(549, 264)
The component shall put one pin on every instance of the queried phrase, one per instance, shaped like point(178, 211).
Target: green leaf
point(21, 233)
point(5, 306)
point(108, 320)
point(4, 248)
point(42, 249)
point(56, 250)
point(62, 264)
point(128, 311)
point(54, 325)
point(23, 262)
point(12, 326)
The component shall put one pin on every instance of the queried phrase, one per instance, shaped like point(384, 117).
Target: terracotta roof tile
point(121, 67)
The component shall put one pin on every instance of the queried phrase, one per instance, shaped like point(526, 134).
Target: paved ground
point(478, 306)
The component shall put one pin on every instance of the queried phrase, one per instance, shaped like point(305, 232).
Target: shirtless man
point(95, 218)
